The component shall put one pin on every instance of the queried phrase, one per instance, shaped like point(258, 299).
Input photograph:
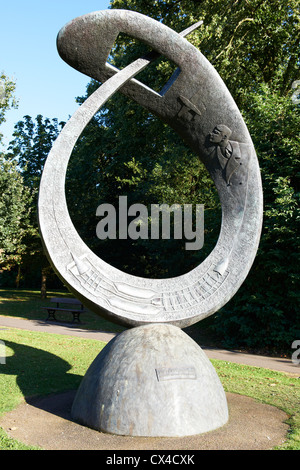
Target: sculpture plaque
point(197, 105)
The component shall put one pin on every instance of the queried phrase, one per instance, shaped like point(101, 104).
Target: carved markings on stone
point(190, 108)
point(195, 293)
point(141, 301)
point(122, 296)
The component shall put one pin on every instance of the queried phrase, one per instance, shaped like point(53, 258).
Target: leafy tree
point(15, 198)
point(265, 312)
point(254, 45)
point(32, 142)
point(14, 216)
point(248, 42)
point(7, 98)
point(255, 48)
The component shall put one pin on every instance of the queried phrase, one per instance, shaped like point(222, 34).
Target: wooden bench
point(62, 306)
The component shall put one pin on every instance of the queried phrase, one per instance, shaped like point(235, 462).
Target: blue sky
point(45, 84)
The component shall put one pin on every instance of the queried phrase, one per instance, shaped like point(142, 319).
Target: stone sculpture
point(138, 381)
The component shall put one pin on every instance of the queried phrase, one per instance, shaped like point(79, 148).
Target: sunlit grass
point(28, 304)
point(40, 364)
point(43, 363)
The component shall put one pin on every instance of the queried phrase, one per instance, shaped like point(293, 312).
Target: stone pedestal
point(152, 380)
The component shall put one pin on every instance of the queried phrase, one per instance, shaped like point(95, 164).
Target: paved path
point(274, 363)
point(46, 422)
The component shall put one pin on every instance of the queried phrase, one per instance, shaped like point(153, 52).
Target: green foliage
point(247, 42)
point(7, 99)
point(265, 312)
point(14, 214)
point(31, 144)
point(42, 363)
point(27, 152)
point(125, 151)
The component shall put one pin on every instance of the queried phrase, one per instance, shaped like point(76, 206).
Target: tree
point(7, 98)
point(247, 42)
point(14, 216)
point(31, 144)
point(29, 149)
point(265, 312)
point(255, 48)
point(15, 198)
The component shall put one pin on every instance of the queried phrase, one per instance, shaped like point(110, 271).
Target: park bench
point(65, 304)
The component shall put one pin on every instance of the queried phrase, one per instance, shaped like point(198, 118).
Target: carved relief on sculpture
point(191, 108)
point(141, 301)
point(227, 152)
point(229, 163)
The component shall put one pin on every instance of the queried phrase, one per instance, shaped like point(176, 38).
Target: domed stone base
point(151, 381)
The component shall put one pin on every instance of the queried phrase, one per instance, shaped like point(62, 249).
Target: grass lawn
point(43, 363)
point(27, 304)
point(39, 364)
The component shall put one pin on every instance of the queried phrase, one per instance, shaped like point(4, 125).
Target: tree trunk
point(44, 284)
point(18, 278)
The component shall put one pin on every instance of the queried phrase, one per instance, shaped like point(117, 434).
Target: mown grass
point(28, 304)
point(39, 364)
point(266, 386)
point(42, 363)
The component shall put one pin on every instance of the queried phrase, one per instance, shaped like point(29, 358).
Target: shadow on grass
point(25, 303)
point(38, 372)
point(28, 304)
